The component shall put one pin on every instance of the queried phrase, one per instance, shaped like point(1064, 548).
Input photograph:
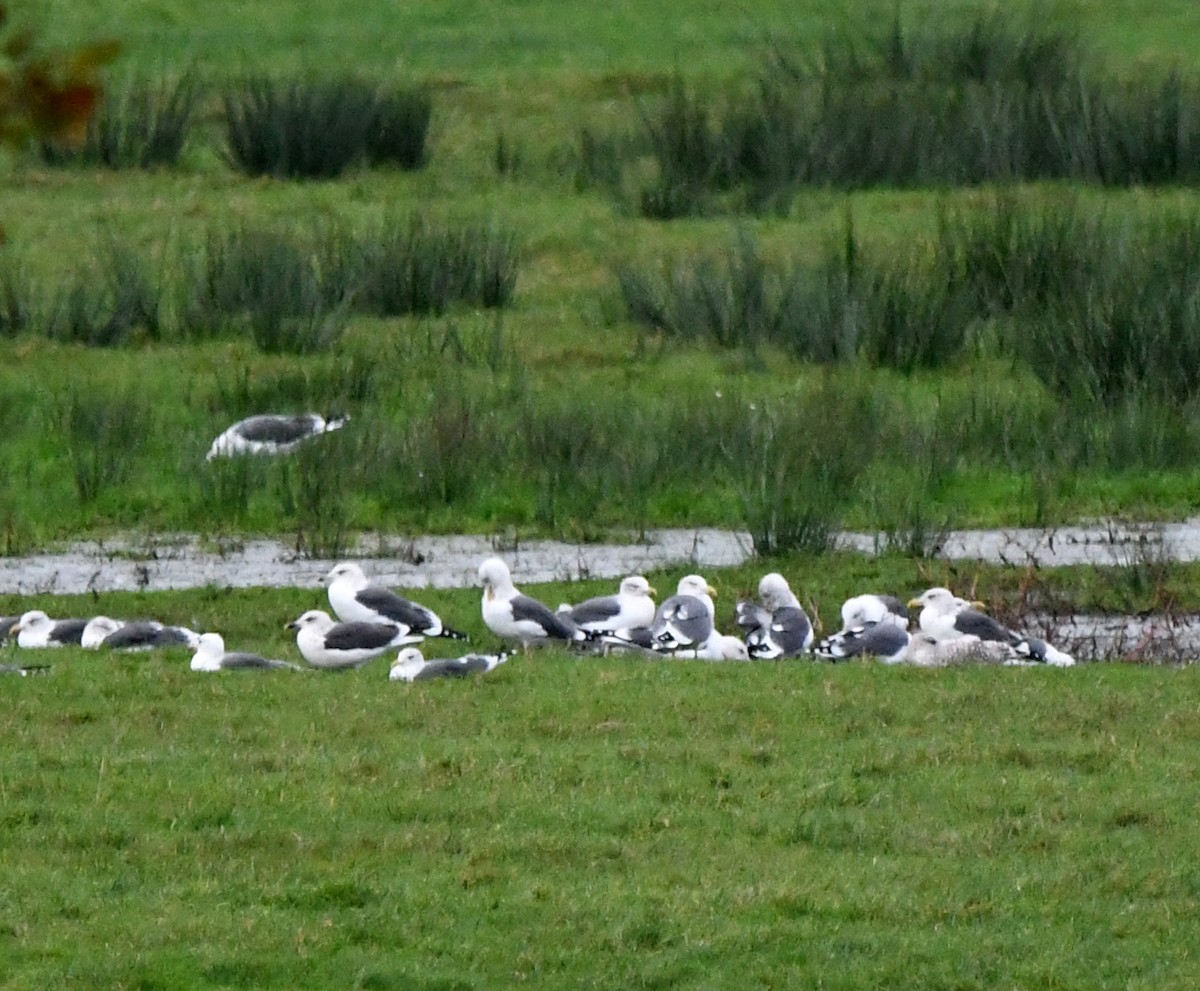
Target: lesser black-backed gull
point(211, 655)
point(334, 646)
point(883, 639)
point(513, 616)
point(272, 433)
point(686, 619)
point(947, 617)
point(410, 665)
point(357, 599)
point(35, 629)
point(103, 632)
point(631, 607)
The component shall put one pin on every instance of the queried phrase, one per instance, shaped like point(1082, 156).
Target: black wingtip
point(453, 634)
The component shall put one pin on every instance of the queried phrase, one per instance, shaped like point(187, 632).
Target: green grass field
point(613, 824)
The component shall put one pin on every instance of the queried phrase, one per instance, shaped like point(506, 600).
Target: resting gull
point(334, 646)
point(211, 656)
point(859, 610)
point(882, 639)
point(115, 634)
point(410, 665)
point(947, 617)
point(789, 632)
point(685, 620)
point(272, 433)
point(928, 651)
point(1037, 651)
point(356, 599)
point(513, 616)
point(36, 629)
point(718, 647)
point(631, 607)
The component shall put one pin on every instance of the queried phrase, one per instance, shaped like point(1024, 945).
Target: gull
point(336, 646)
point(685, 620)
point(947, 617)
point(859, 610)
point(272, 433)
point(211, 655)
point(115, 634)
point(631, 607)
point(789, 632)
point(513, 616)
point(410, 665)
point(928, 651)
point(882, 639)
point(356, 599)
point(36, 629)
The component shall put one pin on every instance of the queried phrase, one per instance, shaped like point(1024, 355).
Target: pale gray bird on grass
point(788, 633)
point(685, 620)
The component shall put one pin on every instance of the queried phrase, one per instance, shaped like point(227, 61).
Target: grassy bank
point(598, 824)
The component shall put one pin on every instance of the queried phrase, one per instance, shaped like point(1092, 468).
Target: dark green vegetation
point(478, 286)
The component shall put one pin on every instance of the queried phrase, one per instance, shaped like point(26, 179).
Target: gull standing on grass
point(513, 616)
point(357, 599)
point(337, 646)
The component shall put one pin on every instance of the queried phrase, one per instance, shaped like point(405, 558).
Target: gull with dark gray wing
point(411, 665)
point(272, 433)
point(211, 655)
point(35, 630)
point(513, 616)
point(357, 599)
point(337, 646)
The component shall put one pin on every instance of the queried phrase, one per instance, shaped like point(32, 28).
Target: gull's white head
point(406, 665)
point(348, 572)
point(636, 585)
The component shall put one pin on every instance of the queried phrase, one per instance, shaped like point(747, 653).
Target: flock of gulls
point(372, 620)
